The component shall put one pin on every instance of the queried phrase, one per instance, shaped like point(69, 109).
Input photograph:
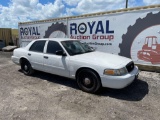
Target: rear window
point(37, 46)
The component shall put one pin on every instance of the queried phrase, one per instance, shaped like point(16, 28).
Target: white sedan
point(70, 58)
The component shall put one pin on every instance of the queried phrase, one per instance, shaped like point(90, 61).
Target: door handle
point(29, 54)
point(46, 57)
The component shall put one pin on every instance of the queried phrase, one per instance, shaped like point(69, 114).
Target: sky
point(14, 11)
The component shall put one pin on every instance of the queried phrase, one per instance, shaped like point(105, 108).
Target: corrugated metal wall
point(15, 37)
point(6, 35)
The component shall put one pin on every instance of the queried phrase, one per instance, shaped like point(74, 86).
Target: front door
point(55, 64)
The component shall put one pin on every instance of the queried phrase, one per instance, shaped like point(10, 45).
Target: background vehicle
point(2, 44)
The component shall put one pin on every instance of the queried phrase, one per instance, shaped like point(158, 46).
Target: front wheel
point(88, 81)
point(26, 67)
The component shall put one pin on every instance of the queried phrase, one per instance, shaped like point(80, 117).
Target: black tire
point(140, 25)
point(88, 81)
point(56, 27)
point(26, 67)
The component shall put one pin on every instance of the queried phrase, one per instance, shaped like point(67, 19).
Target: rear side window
point(38, 46)
point(53, 47)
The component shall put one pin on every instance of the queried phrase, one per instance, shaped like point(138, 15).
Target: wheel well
point(22, 59)
point(80, 69)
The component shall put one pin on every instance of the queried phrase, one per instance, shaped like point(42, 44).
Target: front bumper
point(119, 82)
point(15, 60)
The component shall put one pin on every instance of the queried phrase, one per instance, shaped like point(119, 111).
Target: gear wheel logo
point(133, 31)
point(56, 30)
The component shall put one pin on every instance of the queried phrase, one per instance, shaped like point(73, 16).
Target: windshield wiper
point(89, 51)
point(79, 53)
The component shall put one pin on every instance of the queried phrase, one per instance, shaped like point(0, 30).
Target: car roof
point(56, 39)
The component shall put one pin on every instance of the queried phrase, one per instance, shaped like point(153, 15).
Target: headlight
point(115, 72)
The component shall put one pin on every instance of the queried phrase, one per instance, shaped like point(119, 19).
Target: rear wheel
point(88, 81)
point(26, 67)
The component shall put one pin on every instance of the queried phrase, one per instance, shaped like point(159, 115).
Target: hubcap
point(25, 67)
point(87, 81)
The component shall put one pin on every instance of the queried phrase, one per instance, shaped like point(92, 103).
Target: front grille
point(130, 66)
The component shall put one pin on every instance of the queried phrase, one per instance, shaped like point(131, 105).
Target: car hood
point(102, 59)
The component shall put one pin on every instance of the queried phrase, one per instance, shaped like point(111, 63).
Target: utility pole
point(126, 3)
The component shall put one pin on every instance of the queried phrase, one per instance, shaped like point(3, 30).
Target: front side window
point(53, 47)
point(38, 46)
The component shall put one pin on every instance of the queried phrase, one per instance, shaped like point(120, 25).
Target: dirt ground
point(48, 97)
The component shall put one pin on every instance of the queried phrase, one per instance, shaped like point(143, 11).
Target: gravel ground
point(48, 97)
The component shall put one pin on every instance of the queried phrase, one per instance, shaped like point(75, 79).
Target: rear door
point(35, 54)
point(55, 64)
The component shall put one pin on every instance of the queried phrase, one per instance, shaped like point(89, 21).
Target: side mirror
point(93, 48)
point(60, 52)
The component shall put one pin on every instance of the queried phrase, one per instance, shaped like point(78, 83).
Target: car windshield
point(76, 47)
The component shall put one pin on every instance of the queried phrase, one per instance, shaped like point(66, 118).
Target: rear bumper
point(15, 60)
point(119, 82)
